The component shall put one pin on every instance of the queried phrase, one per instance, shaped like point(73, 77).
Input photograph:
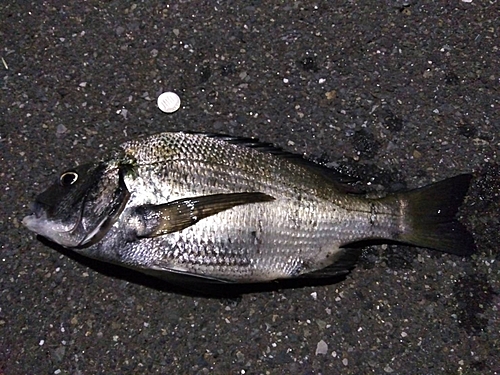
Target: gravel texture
point(398, 93)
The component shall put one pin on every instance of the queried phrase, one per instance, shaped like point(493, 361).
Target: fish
point(232, 210)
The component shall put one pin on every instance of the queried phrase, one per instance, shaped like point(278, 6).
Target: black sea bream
point(220, 208)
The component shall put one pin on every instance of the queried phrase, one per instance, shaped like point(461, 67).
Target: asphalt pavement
point(396, 93)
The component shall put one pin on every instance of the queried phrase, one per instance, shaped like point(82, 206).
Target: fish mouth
point(32, 222)
point(38, 210)
point(67, 235)
point(40, 223)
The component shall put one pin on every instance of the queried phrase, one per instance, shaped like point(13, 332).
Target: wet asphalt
point(396, 93)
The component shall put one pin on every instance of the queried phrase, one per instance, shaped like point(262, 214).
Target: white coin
point(169, 102)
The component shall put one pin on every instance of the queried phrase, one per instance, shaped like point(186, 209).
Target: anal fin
point(345, 262)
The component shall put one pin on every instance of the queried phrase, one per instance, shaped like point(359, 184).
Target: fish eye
point(68, 178)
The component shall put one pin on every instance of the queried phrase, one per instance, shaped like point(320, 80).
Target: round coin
point(169, 102)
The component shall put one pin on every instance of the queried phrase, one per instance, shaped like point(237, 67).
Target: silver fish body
point(219, 208)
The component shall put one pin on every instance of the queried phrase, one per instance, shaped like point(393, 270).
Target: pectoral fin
point(158, 220)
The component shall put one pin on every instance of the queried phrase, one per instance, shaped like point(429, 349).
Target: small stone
point(59, 352)
point(388, 369)
point(321, 348)
point(61, 129)
point(321, 324)
point(330, 95)
point(240, 356)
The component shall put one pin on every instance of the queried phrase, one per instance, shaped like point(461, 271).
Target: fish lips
point(55, 231)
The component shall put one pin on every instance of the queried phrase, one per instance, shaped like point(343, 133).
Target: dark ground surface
point(402, 95)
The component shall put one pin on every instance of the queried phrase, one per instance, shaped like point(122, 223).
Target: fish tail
point(430, 216)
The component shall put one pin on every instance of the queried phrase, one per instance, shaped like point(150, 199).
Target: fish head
point(81, 206)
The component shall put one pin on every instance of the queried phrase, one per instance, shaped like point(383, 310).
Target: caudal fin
point(431, 214)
